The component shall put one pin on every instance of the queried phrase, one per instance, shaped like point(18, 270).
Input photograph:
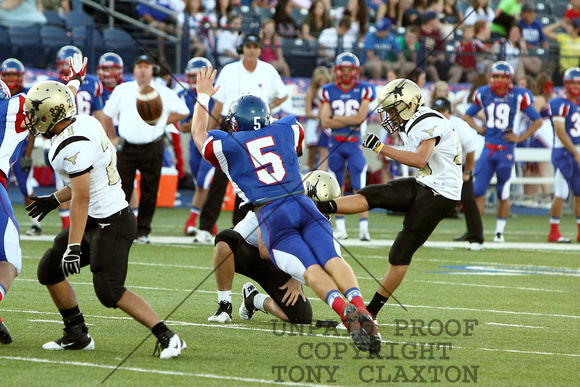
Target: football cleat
point(558, 238)
point(340, 235)
point(351, 321)
point(73, 340)
point(474, 246)
point(369, 325)
point(498, 238)
point(223, 314)
point(5, 337)
point(365, 236)
point(247, 309)
point(169, 345)
point(34, 231)
point(204, 238)
point(142, 240)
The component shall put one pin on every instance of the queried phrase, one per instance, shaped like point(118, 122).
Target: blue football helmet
point(248, 112)
point(110, 69)
point(193, 67)
point(62, 55)
point(346, 59)
point(501, 68)
point(4, 91)
point(8, 69)
point(572, 75)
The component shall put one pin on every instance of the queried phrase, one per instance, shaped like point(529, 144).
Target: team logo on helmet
point(248, 112)
point(398, 101)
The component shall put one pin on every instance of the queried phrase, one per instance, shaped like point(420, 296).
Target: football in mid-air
point(149, 104)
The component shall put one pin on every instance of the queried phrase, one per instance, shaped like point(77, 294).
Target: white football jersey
point(443, 169)
point(84, 147)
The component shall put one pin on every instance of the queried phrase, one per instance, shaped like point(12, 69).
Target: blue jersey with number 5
point(502, 113)
point(346, 103)
point(261, 164)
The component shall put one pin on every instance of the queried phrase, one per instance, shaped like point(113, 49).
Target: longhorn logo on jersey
point(73, 159)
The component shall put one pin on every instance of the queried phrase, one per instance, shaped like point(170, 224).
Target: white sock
point(225, 296)
point(340, 223)
point(500, 225)
point(363, 225)
point(259, 300)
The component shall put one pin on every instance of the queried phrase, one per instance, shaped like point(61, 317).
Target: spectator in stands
point(373, 7)
point(452, 13)
point(201, 37)
point(433, 41)
point(60, 7)
point(512, 50)
point(569, 42)
point(532, 30)
point(222, 10)
point(381, 51)
point(286, 26)
point(464, 98)
point(316, 21)
point(411, 15)
point(334, 41)
point(437, 6)
point(21, 13)
point(272, 48)
point(573, 11)
point(478, 10)
point(229, 39)
point(356, 10)
point(265, 3)
point(312, 130)
point(507, 13)
point(160, 20)
point(440, 90)
point(466, 52)
point(410, 45)
point(392, 10)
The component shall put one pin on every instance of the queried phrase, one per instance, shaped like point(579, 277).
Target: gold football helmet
point(398, 101)
point(48, 103)
point(321, 186)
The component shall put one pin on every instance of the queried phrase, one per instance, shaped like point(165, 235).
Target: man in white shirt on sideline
point(140, 145)
point(248, 75)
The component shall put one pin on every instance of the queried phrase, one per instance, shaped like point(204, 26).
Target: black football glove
point(71, 260)
point(26, 163)
point(42, 205)
point(373, 143)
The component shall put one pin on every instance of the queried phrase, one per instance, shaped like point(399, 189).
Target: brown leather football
point(149, 104)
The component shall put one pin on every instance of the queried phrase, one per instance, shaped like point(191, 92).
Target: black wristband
point(327, 207)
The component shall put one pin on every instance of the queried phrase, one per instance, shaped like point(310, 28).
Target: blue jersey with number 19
point(502, 113)
point(261, 164)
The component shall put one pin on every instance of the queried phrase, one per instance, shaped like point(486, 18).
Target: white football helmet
point(47, 103)
point(398, 101)
point(321, 186)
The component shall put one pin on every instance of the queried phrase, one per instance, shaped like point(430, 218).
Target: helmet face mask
point(193, 67)
point(501, 77)
point(110, 69)
point(248, 112)
point(12, 73)
point(572, 82)
point(47, 103)
point(398, 101)
point(346, 68)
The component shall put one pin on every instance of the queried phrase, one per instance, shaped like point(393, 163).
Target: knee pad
point(108, 294)
point(46, 272)
point(229, 236)
point(402, 251)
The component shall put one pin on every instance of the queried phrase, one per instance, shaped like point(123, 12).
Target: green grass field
point(497, 317)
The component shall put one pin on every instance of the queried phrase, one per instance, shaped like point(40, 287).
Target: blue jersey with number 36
point(261, 164)
point(502, 113)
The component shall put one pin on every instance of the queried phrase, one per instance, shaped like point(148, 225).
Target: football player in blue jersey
point(343, 108)
point(503, 106)
point(565, 113)
point(201, 170)
point(12, 74)
point(260, 158)
point(110, 72)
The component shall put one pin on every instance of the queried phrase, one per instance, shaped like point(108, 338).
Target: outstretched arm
point(205, 89)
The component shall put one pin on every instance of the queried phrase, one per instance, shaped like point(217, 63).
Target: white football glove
point(373, 143)
point(77, 68)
